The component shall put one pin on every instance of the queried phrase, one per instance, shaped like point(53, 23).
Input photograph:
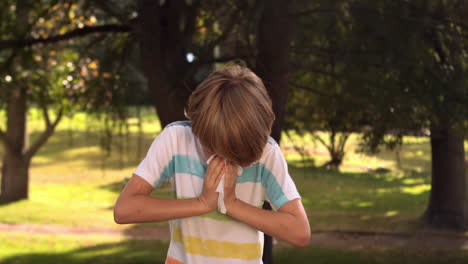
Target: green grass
point(73, 181)
point(331, 255)
point(359, 201)
point(22, 248)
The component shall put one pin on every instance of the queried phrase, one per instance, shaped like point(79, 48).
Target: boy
point(230, 122)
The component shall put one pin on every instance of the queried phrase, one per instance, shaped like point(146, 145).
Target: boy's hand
point(209, 196)
point(230, 185)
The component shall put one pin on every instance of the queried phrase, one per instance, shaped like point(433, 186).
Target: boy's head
point(232, 115)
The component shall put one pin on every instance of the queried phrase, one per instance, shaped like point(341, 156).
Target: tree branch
point(310, 89)
point(208, 47)
point(79, 32)
point(110, 9)
point(50, 127)
point(313, 11)
point(320, 139)
point(221, 59)
point(45, 113)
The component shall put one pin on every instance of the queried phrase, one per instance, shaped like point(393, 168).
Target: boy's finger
point(217, 162)
point(217, 171)
point(219, 176)
point(214, 164)
point(230, 177)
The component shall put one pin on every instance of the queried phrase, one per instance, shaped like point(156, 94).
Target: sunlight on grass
point(72, 204)
point(409, 181)
point(364, 204)
point(384, 190)
point(417, 189)
point(391, 213)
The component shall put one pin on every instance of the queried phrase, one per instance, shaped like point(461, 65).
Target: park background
point(370, 97)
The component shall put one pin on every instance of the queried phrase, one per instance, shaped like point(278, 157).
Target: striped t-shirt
point(214, 238)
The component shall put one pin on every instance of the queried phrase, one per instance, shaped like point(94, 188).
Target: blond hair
point(232, 114)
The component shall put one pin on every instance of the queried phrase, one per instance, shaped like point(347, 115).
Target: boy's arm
point(289, 223)
point(135, 205)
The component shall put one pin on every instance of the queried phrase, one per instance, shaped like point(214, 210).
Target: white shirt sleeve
point(156, 167)
point(279, 185)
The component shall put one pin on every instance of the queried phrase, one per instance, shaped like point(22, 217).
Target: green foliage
point(392, 67)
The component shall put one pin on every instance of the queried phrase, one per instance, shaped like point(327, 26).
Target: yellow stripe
point(217, 249)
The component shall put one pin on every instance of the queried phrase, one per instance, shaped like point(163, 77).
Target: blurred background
point(371, 100)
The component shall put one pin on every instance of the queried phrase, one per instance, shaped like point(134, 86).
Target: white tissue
point(220, 187)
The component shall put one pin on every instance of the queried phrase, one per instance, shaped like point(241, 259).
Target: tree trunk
point(163, 54)
point(448, 204)
point(15, 176)
point(272, 65)
point(273, 56)
point(15, 166)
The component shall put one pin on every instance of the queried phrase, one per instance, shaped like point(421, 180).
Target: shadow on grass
point(154, 252)
point(130, 251)
point(332, 256)
point(4, 203)
point(125, 151)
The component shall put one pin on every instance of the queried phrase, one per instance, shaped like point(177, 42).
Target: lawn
point(21, 248)
point(75, 182)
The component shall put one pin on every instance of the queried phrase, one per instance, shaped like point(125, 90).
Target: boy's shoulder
point(272, 142)
point(177, 130)
point(270, 149)
point(183, 123)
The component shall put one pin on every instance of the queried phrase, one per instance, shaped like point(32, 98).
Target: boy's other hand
point(209, 196)
point(230, 182)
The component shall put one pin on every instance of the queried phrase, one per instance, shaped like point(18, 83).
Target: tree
point(321, 98)
point(405, 63)
point(168, 31)
point(425, 74)
point(15, 170)
point(49, 78)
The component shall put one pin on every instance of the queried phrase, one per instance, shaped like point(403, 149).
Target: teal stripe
point(272, 141)
point(185, 123)
point(258, 173)
point(182, 164)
